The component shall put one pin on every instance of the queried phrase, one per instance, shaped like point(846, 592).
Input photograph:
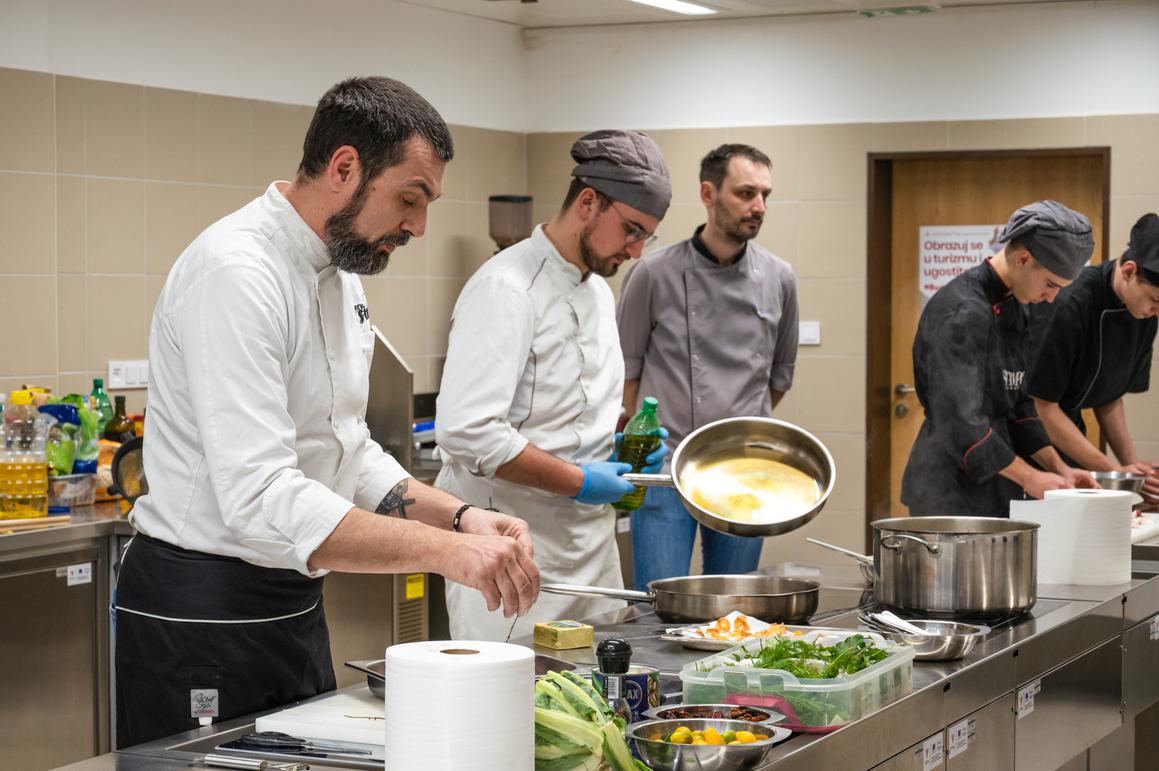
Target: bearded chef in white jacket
point(533, 381)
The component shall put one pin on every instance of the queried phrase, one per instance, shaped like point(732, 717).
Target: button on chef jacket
point(259, 361)
point(1090, 349)
point(533, 356)
point(970, 355)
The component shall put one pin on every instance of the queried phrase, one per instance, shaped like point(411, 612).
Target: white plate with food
point(728, 631)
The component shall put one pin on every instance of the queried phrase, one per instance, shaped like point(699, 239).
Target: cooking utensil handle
point(842, 550)
point(649, 480)
point(891, 542)
point(598, 592)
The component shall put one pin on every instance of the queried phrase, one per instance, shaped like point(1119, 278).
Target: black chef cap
point(1144, 247)
point(627, 167)
point(1058, 237)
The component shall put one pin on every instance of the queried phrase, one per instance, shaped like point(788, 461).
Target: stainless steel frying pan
point(747, 438)
point(775, 599)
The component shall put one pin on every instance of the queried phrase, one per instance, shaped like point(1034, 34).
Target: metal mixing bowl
point(1119, 480)
point(946, 641)
point(664, 756)
point(705, 711)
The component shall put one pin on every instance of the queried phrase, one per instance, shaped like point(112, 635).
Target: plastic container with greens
point(820, 680)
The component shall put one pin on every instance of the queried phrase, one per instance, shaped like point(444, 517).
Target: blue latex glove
point(654, 463)
point(602, 483)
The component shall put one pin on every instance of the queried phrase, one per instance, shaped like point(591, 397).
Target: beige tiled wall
point(817, 221)
point(102, 185)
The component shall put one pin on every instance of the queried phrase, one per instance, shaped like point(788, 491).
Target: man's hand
point(654, 463)
point(479, 521)
point(498, 566)
point(1151, 485)
point(602, 483)
point(1077, 477)
point(1038, 482)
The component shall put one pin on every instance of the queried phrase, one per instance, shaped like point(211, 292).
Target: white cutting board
point(339, 718)
point(1146, 531)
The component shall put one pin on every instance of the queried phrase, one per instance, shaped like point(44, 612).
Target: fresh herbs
point(807, 660)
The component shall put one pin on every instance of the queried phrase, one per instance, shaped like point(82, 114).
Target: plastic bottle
point(641, 439)
point(614, 657)
point(101, 404)
point(120, 428)
point(24, 465)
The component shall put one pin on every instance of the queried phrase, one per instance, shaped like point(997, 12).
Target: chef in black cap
point(980, 430)
point(1093, 346)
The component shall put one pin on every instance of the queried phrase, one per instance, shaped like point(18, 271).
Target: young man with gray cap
point(970, 356)
point(708, 326)
point(1093, 347)
point(534, 375)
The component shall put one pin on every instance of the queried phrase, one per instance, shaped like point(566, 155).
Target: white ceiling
point(574, 13)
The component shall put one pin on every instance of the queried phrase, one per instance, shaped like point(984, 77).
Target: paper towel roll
point(460, 705)
point(1084, 538)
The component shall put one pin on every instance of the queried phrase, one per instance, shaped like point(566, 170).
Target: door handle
point(901, 389)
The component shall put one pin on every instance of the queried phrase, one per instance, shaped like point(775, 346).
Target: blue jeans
point(662, 536)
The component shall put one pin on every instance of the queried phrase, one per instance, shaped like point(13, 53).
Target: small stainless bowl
point(705, 711)
point(946, 641)
point(665, 756)
point(1120, 480)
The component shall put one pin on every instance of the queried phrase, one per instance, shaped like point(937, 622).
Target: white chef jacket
point(259, 361)
point(533, 356)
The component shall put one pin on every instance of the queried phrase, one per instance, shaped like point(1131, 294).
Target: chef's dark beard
point(601, 266)
point(730, 226)
point(351, 252)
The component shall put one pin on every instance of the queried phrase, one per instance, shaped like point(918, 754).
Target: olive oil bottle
point(641, 439)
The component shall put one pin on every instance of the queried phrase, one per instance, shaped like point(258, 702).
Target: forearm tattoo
point(395, 502)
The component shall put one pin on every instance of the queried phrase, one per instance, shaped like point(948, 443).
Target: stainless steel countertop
point(88, 522)
point(1066, 622)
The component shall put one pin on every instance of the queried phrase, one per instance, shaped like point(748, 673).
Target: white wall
point(1057, 59)
point(280, 50)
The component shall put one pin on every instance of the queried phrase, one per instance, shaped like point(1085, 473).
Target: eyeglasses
point(635, 233)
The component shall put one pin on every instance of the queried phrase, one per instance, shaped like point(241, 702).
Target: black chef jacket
point(970, 356)
point(1089, 349)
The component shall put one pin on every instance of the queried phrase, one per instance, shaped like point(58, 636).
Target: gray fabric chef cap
point(626, 166)
point(1058, 237)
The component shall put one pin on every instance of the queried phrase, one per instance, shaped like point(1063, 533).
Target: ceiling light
point(678, 6)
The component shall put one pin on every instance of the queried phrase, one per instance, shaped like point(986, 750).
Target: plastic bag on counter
point(87, 437)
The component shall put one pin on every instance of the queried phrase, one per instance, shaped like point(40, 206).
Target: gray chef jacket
point(709, 340)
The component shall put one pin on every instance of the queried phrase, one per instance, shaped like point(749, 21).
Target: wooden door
point(963, 191)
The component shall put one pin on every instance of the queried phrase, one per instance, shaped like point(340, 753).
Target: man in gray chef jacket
point(709, 327)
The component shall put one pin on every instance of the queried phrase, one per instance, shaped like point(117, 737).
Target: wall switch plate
point(809, 333)
point(128, 374)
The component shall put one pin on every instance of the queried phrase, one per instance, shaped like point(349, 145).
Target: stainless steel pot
point(956, 567)
point(746, 438)
point(775, 599)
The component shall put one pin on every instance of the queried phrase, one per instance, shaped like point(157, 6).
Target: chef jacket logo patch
point(204, 702)
point(363, 312)
point(1013, 380)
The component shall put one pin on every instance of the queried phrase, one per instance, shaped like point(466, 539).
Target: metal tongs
point(892, 621)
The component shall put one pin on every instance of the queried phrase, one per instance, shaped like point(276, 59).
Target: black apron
point(204, 636)
point(970, 356)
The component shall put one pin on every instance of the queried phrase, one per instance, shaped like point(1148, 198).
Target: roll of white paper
point(1084, 538)
point(460, 705)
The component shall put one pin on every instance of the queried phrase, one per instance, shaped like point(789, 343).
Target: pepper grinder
point(615, 657)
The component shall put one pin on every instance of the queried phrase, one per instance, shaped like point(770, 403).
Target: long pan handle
point(842, 550)
point(649, 480)
point(598, 592)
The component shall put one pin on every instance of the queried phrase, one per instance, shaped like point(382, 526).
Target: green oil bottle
point(641, 439)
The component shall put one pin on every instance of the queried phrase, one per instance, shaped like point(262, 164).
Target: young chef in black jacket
point(970, 352)
point(1093, 346)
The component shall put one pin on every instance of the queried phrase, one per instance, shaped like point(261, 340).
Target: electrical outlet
point(130, 374)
